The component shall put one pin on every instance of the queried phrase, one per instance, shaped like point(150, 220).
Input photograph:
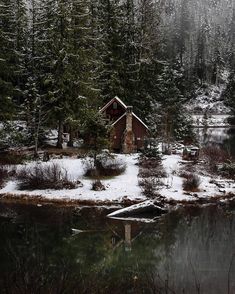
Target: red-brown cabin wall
point(114, 114)
point(117, 134)
point(139, 130)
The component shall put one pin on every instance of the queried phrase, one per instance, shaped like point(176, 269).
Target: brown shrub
point(9, 159)
point(191, 182)
point(214, 155)
point(150, 186)
point(158, 172)
point(98, 186)
point(104, 168)
point(149, 163)
point(42, 177)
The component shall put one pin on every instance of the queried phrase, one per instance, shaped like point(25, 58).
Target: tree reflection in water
point(188, 251)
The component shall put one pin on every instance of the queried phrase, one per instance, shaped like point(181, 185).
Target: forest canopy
point(60, 58)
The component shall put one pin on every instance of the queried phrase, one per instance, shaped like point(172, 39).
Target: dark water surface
point(224, 137)
point(188, 251)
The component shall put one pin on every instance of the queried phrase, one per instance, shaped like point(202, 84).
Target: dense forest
point(60, 60)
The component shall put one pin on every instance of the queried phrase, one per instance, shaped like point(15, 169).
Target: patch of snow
point(173, 183)
point(218, 120)
point(133, 208)
point(122, 187)
point(136, 219)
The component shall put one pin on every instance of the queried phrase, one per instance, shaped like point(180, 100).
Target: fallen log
point(144, 208)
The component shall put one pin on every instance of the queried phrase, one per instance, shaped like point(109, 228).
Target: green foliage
point(59, 58)
point(169, 118)
point(228, 169)
point(229, 93)
point(13, 135)
point(95, 132)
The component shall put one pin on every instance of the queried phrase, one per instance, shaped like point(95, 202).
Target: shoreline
point(40, 200)
point(219, 200)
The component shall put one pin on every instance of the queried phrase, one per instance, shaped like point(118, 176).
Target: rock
point(98, 186)
point(79, 184)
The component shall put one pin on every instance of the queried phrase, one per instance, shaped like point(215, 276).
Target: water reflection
point(223, 137)
point(188, 251)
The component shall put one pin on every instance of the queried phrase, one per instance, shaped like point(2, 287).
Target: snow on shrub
point(98, 186)
point(104, 167)
point(151, 173)
point(41, 176)
point(191, 182)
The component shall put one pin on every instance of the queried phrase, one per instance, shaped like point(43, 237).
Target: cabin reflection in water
point(125, 234)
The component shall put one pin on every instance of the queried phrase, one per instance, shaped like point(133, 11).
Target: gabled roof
point(124, 114)
point(111, 101)
point(125, 107)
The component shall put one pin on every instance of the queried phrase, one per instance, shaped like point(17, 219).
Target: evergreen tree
point(12, 48)
point(229, 93)
point(170, 120)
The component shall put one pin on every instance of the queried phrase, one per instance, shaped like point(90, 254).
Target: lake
point(48, 249)
point(222, 136)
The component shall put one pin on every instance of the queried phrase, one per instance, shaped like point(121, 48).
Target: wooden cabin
point(128, 130)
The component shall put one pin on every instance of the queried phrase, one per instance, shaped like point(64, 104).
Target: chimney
point(129, 118)
point(128, 138)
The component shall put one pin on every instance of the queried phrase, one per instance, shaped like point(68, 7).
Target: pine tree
point(170, 120)
point(12, 39)
point(110, 49)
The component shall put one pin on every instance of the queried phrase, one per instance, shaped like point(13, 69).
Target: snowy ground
point(118, 188)
point(173, 183)
point(125, 186)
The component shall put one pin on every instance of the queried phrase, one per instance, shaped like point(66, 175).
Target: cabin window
point(114, 105)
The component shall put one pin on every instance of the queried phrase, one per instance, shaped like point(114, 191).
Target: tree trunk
point(60, 135)
point(71, 137)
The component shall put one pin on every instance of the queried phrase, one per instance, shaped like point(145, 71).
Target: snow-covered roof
point(125, 107)
point(124, 114)
point(111, 101)
point(140, 120)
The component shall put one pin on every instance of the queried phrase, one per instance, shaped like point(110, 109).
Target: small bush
point(158, 172)
point(214, 155)
point(228, 169)
point(149, 163)
point(185, 174)
point(42, 177)
point(152, 153)
point(104, 168)
point(10, 159)
point(191, 183)
point(150, 186)
point(98, 186)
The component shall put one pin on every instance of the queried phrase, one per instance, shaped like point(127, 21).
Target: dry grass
point(150, 176)
point(191, 182)
point(214, 155)
point(11, 159)
point(104, 168)
point(41, 177)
